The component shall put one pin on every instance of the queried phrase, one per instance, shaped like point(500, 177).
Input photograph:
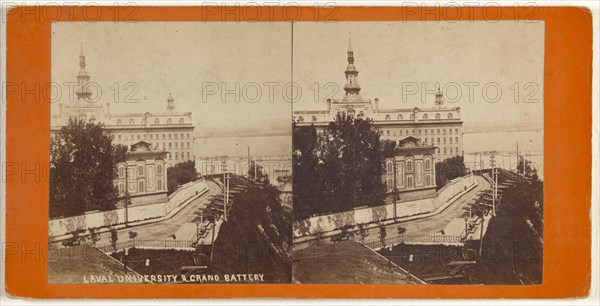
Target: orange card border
point(567, 150)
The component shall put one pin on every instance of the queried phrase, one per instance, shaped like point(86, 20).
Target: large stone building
point(438, 126)
point(143, 176)
point(169, 131)
point(411, 173)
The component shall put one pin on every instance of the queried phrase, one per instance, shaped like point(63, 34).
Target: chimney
point(376, 104)
point(328, 105)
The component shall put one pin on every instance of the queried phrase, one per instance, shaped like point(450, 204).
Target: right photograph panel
point(418, 152)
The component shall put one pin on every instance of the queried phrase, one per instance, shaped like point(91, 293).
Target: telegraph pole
point(517, 157)
point(248, 161)
point(127, 198)
point(226, 199)
point(395, 188)
point(481, 233)
point(494, 184)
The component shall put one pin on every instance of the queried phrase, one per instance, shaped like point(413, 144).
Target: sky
point(207, 66)
point(142, 62)
point(395, 59)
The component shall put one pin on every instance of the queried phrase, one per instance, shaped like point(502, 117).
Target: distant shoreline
point(474, 130)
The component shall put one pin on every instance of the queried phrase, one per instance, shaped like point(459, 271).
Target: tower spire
point(438, 97)
point(352, 87)
point(170, 103)
point(82, 78)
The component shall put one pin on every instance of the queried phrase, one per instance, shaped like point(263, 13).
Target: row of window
point(153, 136)
point(409, 166)
point(449, 150)
point(387, 117)
point(420, 131)
point(143, 121)
point(177, 155)
point(141, 187)
point(140, 170)
point(409, 182)
point(425, 116)
point(438, 140)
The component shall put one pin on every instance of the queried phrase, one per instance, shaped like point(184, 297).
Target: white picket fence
point(155, 244)
point(417, 239)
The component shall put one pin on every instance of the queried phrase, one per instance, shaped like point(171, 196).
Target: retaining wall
point(104, 219)
point(330, 222)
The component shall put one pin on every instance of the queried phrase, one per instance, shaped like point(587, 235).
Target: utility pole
point(248, 160)
point(223, 169)
point(481, 233)
point(494, 183)
point(127, 197)
point(226, 199)
point(517, 157)
point(212, 240)
point(395, 195)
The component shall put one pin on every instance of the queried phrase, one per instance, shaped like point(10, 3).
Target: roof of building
point(347, 262)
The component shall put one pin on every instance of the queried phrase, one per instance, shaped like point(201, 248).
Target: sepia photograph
point(418, 153)
point(170, 153)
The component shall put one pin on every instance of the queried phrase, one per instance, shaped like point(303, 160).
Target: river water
point(274, 152)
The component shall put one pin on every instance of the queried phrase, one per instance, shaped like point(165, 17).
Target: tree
point(401, 231)
point(382, 233)
point(339, 169)
point(132, 236)
point(258, 174)
point(94, 237)
point(307, 183)
point(83, 166)
point(527, 169)
point(180, 174)
point(362, 232)
point(114, 237)
point(449, 169)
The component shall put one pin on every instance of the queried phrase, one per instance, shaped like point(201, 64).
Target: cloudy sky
point(207, 66)
point(395, 59)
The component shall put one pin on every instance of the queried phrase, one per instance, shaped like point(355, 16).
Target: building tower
point(438, 97)
point(83, 78)
point(352, 87)
point(170, 103)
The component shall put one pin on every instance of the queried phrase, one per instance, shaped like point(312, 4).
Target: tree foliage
point(449, 169)
point(527, 169)
point(256, 172)
point(83, 165)
point(339, 169)
point(180, 174)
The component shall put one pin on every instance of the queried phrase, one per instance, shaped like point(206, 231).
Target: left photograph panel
point(170, 153)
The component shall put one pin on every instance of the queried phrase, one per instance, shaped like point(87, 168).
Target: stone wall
point(330, 222)
point(105, 219)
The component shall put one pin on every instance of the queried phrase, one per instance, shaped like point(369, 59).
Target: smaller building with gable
point(411, 173)
point(143, 176)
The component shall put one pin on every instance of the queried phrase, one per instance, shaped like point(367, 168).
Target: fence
point(148, 244)
point(417, 239)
